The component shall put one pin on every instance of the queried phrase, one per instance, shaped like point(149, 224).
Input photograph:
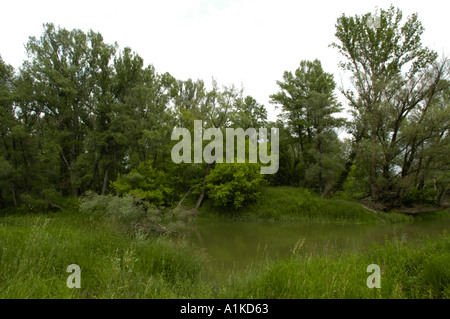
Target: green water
point(234, 247)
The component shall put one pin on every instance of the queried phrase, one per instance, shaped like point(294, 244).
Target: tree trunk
point(74, 153)
point(73, 175)
point(321, 182)
point(346, 171)
point(424, 173)
point(372, 172)
point(202, 194)
point(105, 181)
point(442, 195)
point(14, 196)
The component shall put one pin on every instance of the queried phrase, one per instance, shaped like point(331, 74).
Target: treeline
point(81, 115)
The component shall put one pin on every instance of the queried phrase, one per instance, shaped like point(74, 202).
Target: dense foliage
point(82, 115)
point(231, 185)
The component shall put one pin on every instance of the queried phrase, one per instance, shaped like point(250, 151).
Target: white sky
point(248, 42)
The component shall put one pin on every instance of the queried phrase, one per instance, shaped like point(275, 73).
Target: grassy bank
point(35, 250)
point(408, 270)
point(284, 203)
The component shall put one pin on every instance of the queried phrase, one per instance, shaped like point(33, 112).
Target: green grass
point(408, 270)
point(284, 203)
point(35, 250)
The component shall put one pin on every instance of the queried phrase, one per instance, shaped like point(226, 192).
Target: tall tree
point(308, 104)
point(391, 76)
point(61, 72)
point(248, 113)
point(8, 166)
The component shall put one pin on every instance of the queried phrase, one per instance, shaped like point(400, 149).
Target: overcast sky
point(241, 42)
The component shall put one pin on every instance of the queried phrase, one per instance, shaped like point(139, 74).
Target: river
point(233, 247)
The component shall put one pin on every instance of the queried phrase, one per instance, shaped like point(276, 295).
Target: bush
point(425, 196)
point(234, 185)
point(132, 213)
point(124, 208)
point(49, 200)
point(147, 183)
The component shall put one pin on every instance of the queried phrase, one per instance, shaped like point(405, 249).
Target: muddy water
point(233, 247)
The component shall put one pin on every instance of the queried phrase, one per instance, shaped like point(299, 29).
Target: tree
point(392, 75)
point(96, 159)
point(426, 145)
point(308, 104)
point(216, 108)
point(248, 113)
point(63, 70)
point(8, 165)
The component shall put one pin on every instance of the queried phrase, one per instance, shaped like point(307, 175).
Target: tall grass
point(408, 270)
point(35, 250)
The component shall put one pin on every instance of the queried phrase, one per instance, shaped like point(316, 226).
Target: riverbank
point(37, 248)
point(292, 203)
point(412, 270)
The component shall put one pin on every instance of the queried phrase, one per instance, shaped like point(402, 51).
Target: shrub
point(132, 212)
point(423, 196)
point(234, 185)
point(148, 183)
point(124, 208)
point(49, 199)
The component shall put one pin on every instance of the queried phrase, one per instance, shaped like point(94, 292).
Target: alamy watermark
point(217, 146)
point(374, 280)
point(74, 280)
point(374, 21)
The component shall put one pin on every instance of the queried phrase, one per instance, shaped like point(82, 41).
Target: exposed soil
point(422, 209)
point(416, 209)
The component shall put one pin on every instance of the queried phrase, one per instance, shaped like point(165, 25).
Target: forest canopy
point(82, 115)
